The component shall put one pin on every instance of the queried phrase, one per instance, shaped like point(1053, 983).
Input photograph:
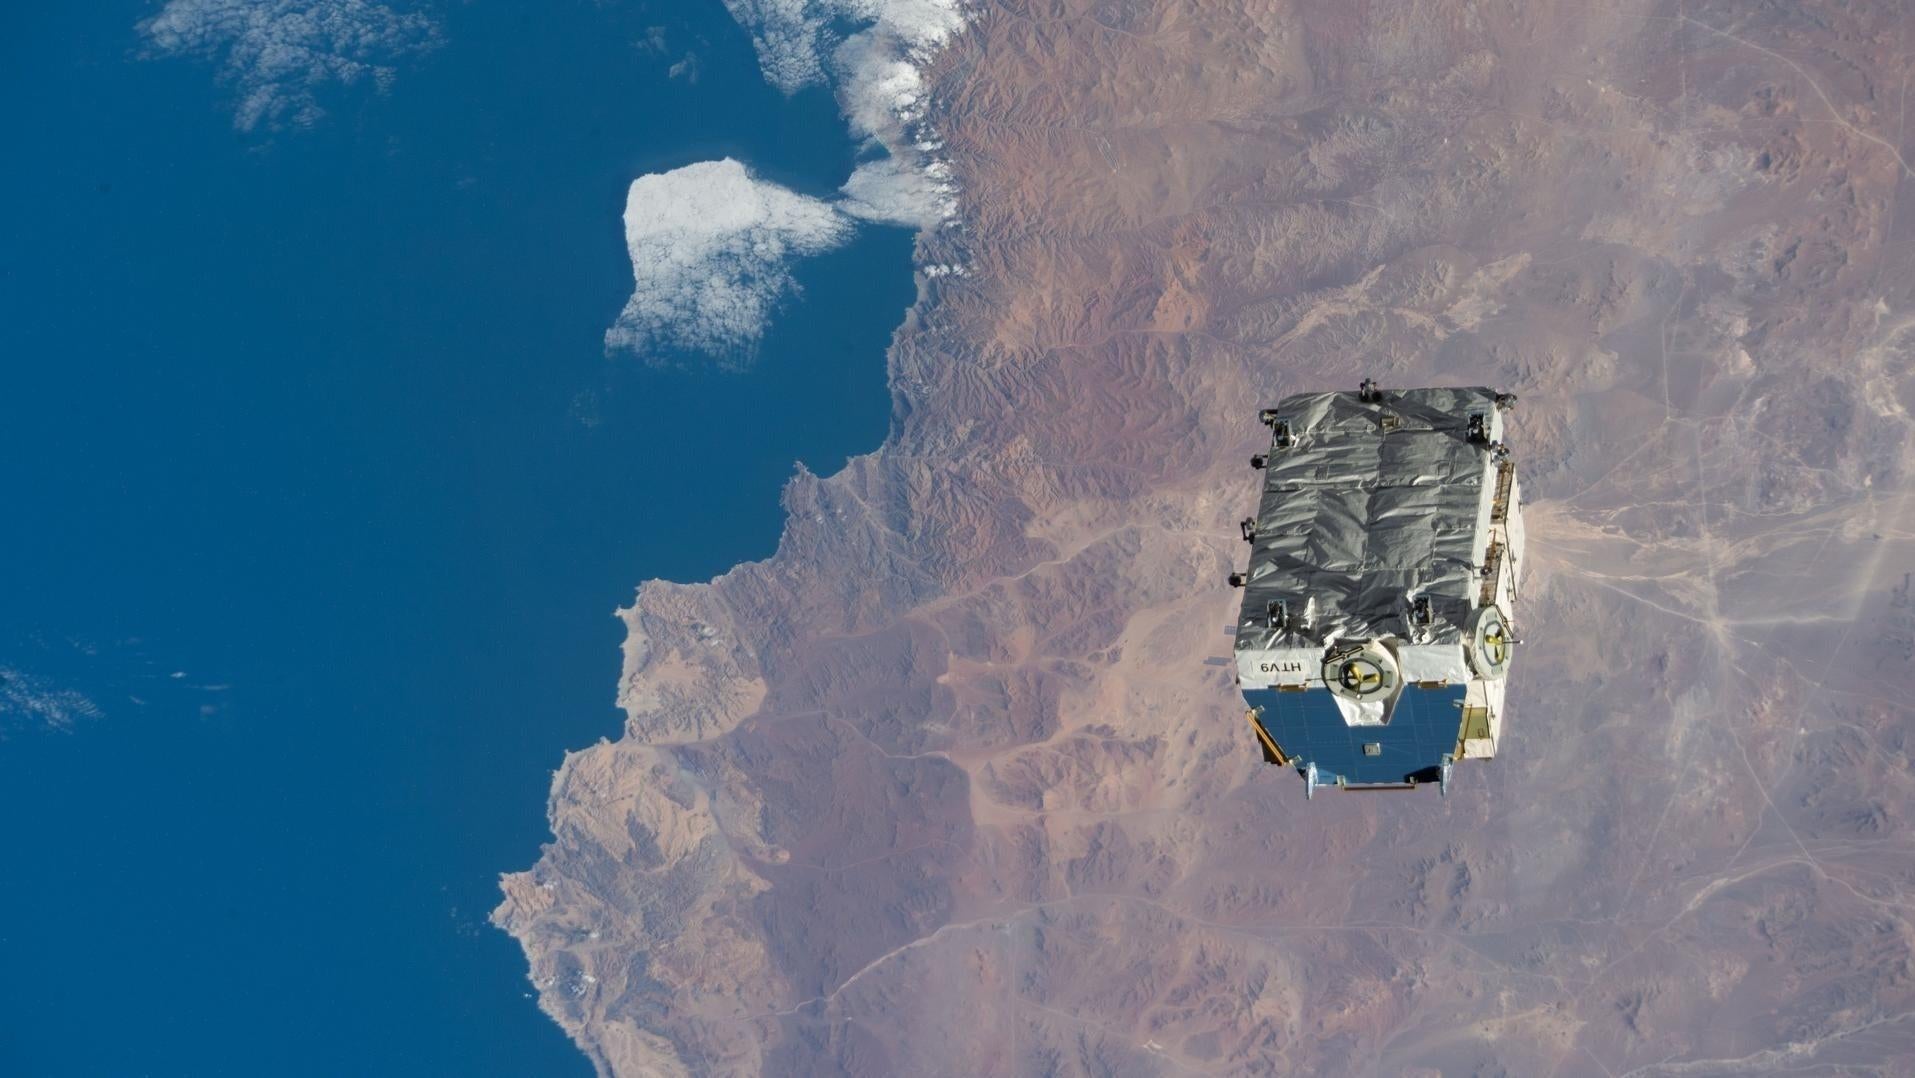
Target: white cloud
point(880, 86)
point(889, 192)
point(277, 53)
point(789, 36)
point(27, 701)
point(793, 37)
point(710, 245)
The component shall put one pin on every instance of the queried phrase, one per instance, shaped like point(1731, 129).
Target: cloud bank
point(876, 74)
point(893, 193)
point(710, 245)
point(28, 702)
point(278, 53)
point(793, 37)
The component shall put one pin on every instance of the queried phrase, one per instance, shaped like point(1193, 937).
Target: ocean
point(321, 488)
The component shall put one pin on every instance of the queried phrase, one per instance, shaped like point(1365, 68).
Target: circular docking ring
point(1361, 672)
point(1490, 643)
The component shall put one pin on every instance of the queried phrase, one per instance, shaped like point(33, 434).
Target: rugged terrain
point(955, 783)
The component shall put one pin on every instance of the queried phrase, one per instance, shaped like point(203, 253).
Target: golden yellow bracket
point(1271, 753)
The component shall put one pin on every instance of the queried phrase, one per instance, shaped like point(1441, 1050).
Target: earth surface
point(955, 784)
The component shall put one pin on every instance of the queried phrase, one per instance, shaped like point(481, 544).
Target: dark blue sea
point(316, 479)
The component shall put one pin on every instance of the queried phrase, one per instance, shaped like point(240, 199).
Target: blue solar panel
point(1307, 726)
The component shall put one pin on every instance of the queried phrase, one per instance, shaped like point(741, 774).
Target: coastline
point(686, 674)
point(997, 807)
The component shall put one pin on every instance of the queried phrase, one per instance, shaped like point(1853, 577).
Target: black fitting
point(1248, 525)
point(1259, 461)
point(1236, 580)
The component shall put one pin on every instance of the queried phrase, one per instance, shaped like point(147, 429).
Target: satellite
point(1385, 558)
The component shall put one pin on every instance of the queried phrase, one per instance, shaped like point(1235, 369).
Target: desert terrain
point(956, 784)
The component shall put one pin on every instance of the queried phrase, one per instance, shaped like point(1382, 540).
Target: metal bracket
point(1276, 614)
